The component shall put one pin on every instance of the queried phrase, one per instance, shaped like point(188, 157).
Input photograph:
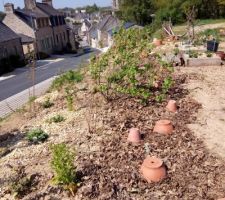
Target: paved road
point(14, 89)
point(21, 81)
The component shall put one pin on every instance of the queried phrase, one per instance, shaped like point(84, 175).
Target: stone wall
point(12, 47)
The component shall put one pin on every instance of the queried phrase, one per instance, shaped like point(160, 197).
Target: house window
point(57, 38)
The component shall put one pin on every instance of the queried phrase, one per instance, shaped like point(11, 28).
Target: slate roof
point(26, 39)
point(125, 25)
point(93, 31)
point(87, 23)
point(30, 13)
point(48, 9)
point(6, 34)
point(109, 22)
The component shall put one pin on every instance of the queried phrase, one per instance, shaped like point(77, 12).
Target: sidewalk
point(17, 101)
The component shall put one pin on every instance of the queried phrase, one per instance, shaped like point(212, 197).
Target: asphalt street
point(46, 70)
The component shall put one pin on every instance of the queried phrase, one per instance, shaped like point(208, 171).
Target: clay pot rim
point(172, 101)
point(153, 162)
point(134, 129)
point(220, 52)
point(164, 122)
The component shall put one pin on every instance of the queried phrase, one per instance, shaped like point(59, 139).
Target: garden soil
point(107, 165)
point(207, 87)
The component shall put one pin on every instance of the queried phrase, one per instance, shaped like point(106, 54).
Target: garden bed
point(107, 165)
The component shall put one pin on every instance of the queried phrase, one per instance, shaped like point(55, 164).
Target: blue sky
point(61, 3)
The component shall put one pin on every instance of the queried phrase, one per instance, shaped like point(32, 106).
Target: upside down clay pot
point(172, 106)
point(163, 127)
point(221, 54)
point(134, 135)
point(153, 169)
point(157, 42)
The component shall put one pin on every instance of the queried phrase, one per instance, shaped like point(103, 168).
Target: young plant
point(56, 119)
point(209, 54)
point(47, 104)
point(37, 136)
point(32, 99)
point(69, 99)
point(21, 183)
point(62, 164)
point(176, 51)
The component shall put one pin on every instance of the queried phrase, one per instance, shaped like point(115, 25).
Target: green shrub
point(129, 68)
point(56, 119)
point(63, 165)
point(37, 135)
point(69, 77)
point(47, 103)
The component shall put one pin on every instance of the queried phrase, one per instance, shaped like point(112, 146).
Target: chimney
point(9, 8)
point(49, 2)
point(30, 4)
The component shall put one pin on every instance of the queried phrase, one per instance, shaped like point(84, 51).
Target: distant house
point(93, 36)
point(10, 45)
point(109, 22)
point(86, 25)
point(41, 22)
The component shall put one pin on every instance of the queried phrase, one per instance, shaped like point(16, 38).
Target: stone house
point(10, 45)
point(108, 23)
point(41, 22)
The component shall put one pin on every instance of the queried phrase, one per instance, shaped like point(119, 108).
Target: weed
point(56, 119)
point(63, 165)
point(47, 103)
point(37, 135)
point(69, 77)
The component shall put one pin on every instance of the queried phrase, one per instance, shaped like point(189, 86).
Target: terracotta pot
point(153, 169)
point(172, 106)
point(157, 42)
point(221, 54)
point(164, 127)
point(134, 136)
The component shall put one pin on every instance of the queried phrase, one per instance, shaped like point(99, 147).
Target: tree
point(136, 11)
point(2, 15)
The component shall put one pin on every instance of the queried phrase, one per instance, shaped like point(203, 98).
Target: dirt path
point(207, 87)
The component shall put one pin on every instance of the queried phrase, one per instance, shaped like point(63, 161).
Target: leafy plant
point(69, 77)
point(47, 103)
point(193, 54)
point(63, 165)
point(129, 68)
point(37, 135)
point(209, 54)
point(56, 119)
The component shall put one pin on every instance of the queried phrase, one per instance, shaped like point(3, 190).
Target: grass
point(181, 29)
